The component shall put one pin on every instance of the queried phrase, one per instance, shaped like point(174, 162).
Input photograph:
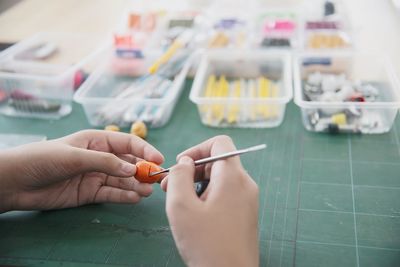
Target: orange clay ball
point(144, 168)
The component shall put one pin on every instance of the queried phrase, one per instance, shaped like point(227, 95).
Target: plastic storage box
point(142, 31)
point(38, 75)
point(277, 28)
point(111, 95)
point(346, 92)
point(326, 26)
point(243, 89)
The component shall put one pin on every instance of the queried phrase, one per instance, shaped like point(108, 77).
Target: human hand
point(86, 167)
point(221, 227)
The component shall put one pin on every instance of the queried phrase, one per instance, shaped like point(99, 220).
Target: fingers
point(118, 143)
point(144, 190)
point(112, 165)
point(129, 158)
point(214, 146)
point(107, 194)
point(180, 184)
point(94, 161)
point(199, 151)
point(227, 176)
point(211, 147)
point(164, 184)
point(201, 173)
point(122, 143)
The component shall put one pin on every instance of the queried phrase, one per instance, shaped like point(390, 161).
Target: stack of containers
point(338, 89)
point(243, 79)
point(240, 82)
point(345, 93)
point(143, 73)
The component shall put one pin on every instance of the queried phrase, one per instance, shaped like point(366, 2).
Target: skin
point(221, 227)
point(218, 229)
point(82, 168)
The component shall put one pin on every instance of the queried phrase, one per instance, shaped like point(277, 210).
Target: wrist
point(5, 202)
point(221, 262)
point(226, 258)
point(6, 188)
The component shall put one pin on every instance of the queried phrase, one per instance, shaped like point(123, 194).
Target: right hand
point(221, 227)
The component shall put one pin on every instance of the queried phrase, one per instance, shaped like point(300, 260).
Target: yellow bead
point(139, 129)
point(339, 119)
point(112, 127)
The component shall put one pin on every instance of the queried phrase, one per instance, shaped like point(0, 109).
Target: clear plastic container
point(154, 29)
point(277, 28)
point(38, 75)
point(325, 26)
point(173, 26)
point(248, 89)
point(111, 95)
point(229, 26)
point(345, 92)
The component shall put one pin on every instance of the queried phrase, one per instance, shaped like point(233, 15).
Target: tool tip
point(258, 147)
point(153, 69)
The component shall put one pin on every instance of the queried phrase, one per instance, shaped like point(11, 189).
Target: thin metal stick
point(219, 157)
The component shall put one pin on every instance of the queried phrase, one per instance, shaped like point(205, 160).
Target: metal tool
point(219, 157)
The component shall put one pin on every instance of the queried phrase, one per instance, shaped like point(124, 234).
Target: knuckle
point(179, 168)
point(254, 188)
point(243, 174)
point(110, 158)
point(145, 194)
point(85, 132)
point(136, 198)
point(249, 183)
point(76, 159)
point(109, 161)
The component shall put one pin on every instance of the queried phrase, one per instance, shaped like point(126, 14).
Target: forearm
point(236, 260)
point(6, 175)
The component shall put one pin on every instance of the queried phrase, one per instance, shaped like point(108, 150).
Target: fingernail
point(128, 168)
point(178, 157)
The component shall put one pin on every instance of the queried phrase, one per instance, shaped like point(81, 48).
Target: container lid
point(49, 54)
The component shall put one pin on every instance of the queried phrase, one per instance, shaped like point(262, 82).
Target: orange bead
point(143, 170)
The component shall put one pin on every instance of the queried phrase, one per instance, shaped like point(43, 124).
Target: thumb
point(180, 183)
point(108, 163)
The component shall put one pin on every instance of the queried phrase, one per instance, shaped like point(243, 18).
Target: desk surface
point(325, 200)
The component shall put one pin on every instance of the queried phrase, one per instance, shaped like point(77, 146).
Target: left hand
point(86, 167)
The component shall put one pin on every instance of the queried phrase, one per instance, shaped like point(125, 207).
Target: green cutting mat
point(324, 201)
